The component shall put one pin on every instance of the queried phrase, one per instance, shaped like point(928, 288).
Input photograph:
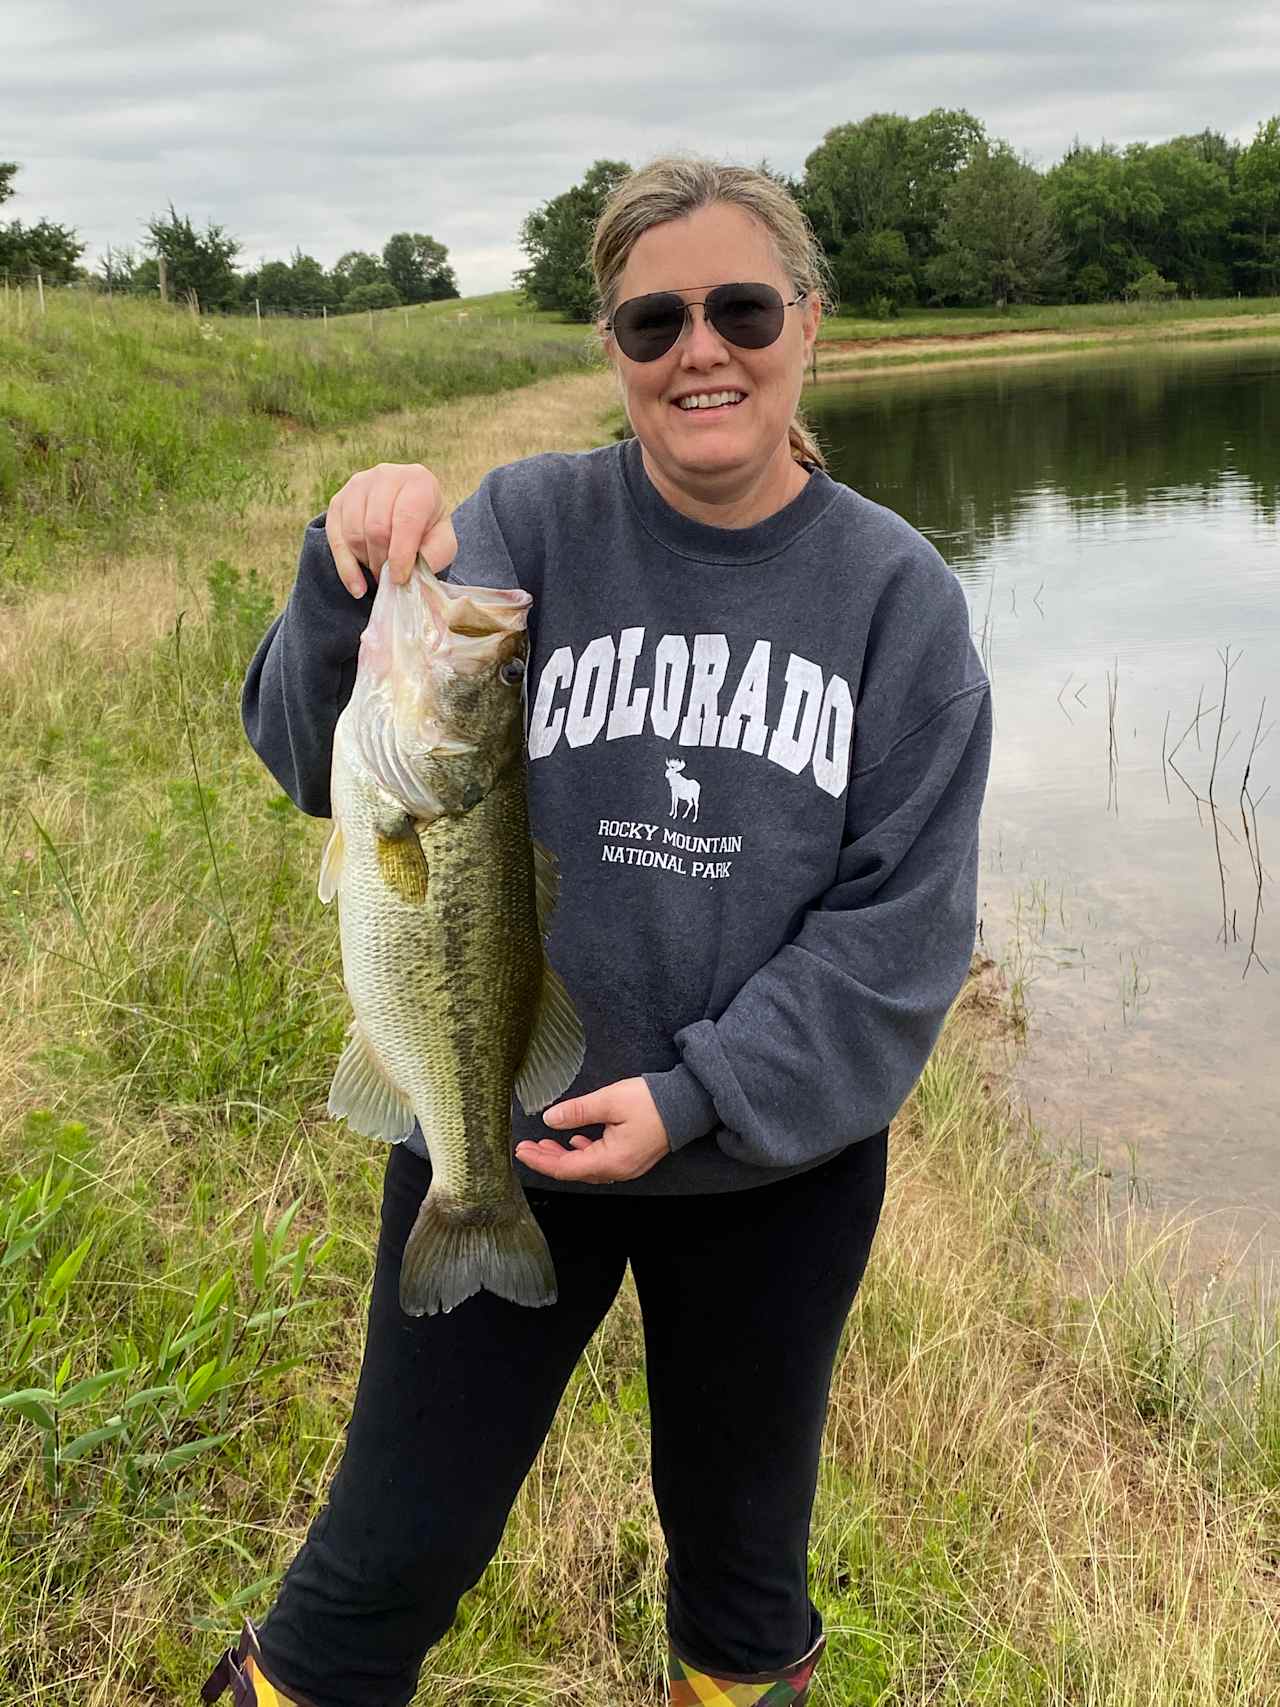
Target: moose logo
point(683, 789)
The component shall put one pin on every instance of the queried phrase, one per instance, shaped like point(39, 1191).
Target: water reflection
point(967, 454)
point(1115, 525)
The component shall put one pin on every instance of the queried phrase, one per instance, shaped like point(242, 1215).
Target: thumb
point(579, 1111)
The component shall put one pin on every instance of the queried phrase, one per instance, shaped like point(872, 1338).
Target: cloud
point(327, 126)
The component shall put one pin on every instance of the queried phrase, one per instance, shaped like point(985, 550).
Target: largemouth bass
point(443, 902)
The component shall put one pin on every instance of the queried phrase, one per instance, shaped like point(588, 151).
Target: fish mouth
point(472, 623)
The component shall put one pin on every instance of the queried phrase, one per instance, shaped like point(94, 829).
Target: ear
point(812, 319)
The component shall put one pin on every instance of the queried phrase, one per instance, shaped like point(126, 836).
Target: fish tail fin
point(455, 1250)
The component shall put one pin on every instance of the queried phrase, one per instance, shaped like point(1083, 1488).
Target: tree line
point(909, 211)
point(177, 260)
point(933, 211)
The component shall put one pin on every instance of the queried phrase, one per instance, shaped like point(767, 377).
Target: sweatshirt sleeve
point(302, 674)
point(823, 1044)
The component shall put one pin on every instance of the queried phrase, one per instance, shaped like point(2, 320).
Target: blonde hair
point(676, 185)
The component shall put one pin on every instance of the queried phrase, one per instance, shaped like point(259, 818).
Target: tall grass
point(112, 409)
point(1052, 1471)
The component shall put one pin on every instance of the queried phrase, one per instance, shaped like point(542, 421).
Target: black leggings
point(744, 1295)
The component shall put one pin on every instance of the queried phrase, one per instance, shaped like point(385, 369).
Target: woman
point(758, 740)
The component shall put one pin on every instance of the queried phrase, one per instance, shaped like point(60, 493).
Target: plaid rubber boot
point(240, 1671)
point(789, 1688)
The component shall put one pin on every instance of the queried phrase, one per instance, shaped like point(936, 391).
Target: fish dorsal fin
point(331, 865)
point(362, 1092)
point(556, 1048)
point(546, 884)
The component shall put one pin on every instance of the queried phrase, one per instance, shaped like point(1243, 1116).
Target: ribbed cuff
point(683, 1102)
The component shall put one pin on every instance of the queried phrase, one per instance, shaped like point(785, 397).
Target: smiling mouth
point(700, 401)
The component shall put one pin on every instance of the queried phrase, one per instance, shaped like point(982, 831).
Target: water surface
point(1114, 523)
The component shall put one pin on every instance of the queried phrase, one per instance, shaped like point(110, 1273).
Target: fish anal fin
point(363, 1094)
point(556, 1047)
point(331, 865)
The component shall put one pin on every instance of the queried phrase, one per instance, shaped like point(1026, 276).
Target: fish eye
point(512, 672)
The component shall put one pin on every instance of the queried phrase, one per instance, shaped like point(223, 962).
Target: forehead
point(719, 244)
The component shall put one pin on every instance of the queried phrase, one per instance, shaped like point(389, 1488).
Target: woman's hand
point(634, 1136)
point(389, 514)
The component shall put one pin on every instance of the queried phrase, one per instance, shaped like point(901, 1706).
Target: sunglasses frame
point(711, 290)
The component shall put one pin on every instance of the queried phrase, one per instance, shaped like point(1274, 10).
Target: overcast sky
point(328, 126)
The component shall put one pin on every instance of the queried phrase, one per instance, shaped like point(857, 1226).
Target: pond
point(1115, 526)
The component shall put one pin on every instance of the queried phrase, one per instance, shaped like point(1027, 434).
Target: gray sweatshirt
point(759, 755)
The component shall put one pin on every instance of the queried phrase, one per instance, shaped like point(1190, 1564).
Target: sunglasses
point(748, 315)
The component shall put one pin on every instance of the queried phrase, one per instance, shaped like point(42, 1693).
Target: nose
point(700, 343)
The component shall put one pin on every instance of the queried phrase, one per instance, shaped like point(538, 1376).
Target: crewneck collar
point(726, 546)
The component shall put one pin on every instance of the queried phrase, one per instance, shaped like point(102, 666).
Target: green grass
point(112, 409)
point(1065, 317)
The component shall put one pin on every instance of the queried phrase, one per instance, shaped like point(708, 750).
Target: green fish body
point(443, 903)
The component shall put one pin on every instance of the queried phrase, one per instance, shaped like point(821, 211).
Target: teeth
point(711, 399)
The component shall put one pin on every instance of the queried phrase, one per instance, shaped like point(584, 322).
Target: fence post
point(371, 320)
point(257, 309)
point(164, 278)
point(40, 290)
point(324, 312)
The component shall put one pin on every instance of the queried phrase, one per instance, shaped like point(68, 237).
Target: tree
point(1101, 208)
point(418, 267)
point(1186, 242)
point(998, 242)
point(364, 296)
point(557, 239)
point(53, 251)
point(872, 271)
point(299, 285)
point(938, 147)
point(881, 176)
point(196, 261)
point(1257, 209)
point(117, 266)
point(357, 267)
point(1213, 146)
point(44, 248)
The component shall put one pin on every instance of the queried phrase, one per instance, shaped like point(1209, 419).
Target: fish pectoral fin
point(331, 865)
point(546, 885)
point(403, 864)
point(363, 1094)
point(556, 1048)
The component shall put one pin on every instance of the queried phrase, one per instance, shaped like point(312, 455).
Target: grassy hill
point(112, 409)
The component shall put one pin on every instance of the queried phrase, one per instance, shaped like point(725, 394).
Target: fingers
point(417, 518)
point(592, 1164)
point(344, 558)
point(588, 1110)
point(440, 546)
point(388, 514)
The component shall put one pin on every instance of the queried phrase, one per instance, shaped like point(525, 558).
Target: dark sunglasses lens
point(647, 326)
point(749, 316)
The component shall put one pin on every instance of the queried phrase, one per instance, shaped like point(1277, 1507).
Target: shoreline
point(857, 358)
